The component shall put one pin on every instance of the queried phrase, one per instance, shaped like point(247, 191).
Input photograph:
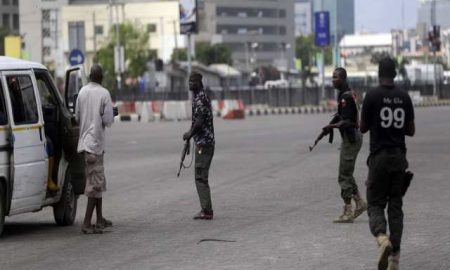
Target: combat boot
point(384, 249)
point(394, 261)
point(347, 216)
point(360, 206)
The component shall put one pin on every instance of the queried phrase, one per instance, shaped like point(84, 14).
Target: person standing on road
point(389, 115)
point(346, 120)
point(202, 130)
point(94, 111)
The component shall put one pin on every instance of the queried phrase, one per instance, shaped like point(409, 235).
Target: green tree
point(306, 50)
point(213, 54)
point(377, 56)
point(136, 45)
point(178, 54)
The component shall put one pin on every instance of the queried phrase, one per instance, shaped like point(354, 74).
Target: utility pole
point(94, 38)
point(433, 22)
point(336, 49)
point(118, 50)
point(176, 39)
point(189, 54)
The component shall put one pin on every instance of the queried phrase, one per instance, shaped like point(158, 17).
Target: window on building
point(23, 99)
point(242, 30)
point(282, 13)
point(5, 20)
point(46, 15)
point(151, 28)
point(46, 32)
point(242, 14)
point(46, 50)
point(16, 21)
point(15, 2)
point(282, 30)
point(99, 29)
point(77, 38)
point(5, 2)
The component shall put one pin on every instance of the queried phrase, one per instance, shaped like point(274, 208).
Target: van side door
point(74, 81)
point(29, 159)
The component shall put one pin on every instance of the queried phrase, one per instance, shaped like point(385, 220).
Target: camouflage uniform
point(204, 143)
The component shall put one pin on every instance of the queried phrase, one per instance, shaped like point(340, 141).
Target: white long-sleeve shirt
point(94, 112)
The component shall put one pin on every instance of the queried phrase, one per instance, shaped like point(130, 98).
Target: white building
point(40, 28)
point(86, 25)
point(359, 43)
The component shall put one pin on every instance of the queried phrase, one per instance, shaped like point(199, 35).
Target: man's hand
point(115, 111)
point(328, 128)
point(187, 136)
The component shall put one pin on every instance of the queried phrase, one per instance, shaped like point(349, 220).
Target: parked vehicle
point(33, 114)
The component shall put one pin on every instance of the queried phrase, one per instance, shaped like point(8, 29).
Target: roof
point(9, 63)
point(366, 40)
point(226, 70)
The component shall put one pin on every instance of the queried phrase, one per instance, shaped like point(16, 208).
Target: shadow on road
point(13, 229)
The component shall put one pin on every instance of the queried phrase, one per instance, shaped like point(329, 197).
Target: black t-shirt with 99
point(386, 111)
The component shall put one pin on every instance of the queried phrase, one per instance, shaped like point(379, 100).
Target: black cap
point(387, 68)
point(195, 76)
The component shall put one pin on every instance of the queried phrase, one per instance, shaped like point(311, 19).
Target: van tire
point(2, 208)
point(65, 211)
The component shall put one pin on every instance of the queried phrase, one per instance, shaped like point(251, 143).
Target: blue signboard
point(76, 57)
point(322, 24)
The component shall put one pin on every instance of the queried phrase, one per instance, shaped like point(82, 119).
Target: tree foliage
point(213, 54)
point(306, 51)
point(179, 54)
point(136, 45)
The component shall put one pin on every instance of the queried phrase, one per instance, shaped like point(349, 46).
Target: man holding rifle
point(202, 130)
point(389, 115)
point(346, 120)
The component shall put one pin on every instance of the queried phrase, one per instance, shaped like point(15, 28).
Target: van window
point(23, 99)
point(45, 89)
point(3, 115)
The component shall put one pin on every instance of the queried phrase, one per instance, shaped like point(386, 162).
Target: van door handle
point(40, 133)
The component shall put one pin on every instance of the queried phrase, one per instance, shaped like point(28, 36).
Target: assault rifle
point(321, 135)
point(186, 151)
point(326, 131)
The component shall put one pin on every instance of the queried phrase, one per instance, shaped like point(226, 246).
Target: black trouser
point(203, 158)
point(384, 187)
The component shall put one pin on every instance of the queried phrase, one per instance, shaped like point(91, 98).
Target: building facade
point(86, 24)
point(9, 12)
point(40, 28)
point(9, 18)
point(442, 10)
point(303, 17)
point(259, 32)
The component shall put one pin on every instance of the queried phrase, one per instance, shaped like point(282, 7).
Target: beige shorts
point(95, 175)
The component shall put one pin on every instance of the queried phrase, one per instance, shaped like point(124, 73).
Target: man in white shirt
point(94, 112)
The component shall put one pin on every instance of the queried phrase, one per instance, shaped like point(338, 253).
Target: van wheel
point(65, 210)
point(2, 208)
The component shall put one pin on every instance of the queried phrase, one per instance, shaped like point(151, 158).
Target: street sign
point(188, 16)
point(76, 57)
point(322, 31)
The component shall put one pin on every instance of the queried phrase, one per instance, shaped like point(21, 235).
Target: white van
point(32, 111)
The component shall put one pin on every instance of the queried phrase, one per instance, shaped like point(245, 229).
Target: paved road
point(270, 195)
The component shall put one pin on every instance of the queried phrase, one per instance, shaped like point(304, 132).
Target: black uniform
point(351, 143)
point(386, 112)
